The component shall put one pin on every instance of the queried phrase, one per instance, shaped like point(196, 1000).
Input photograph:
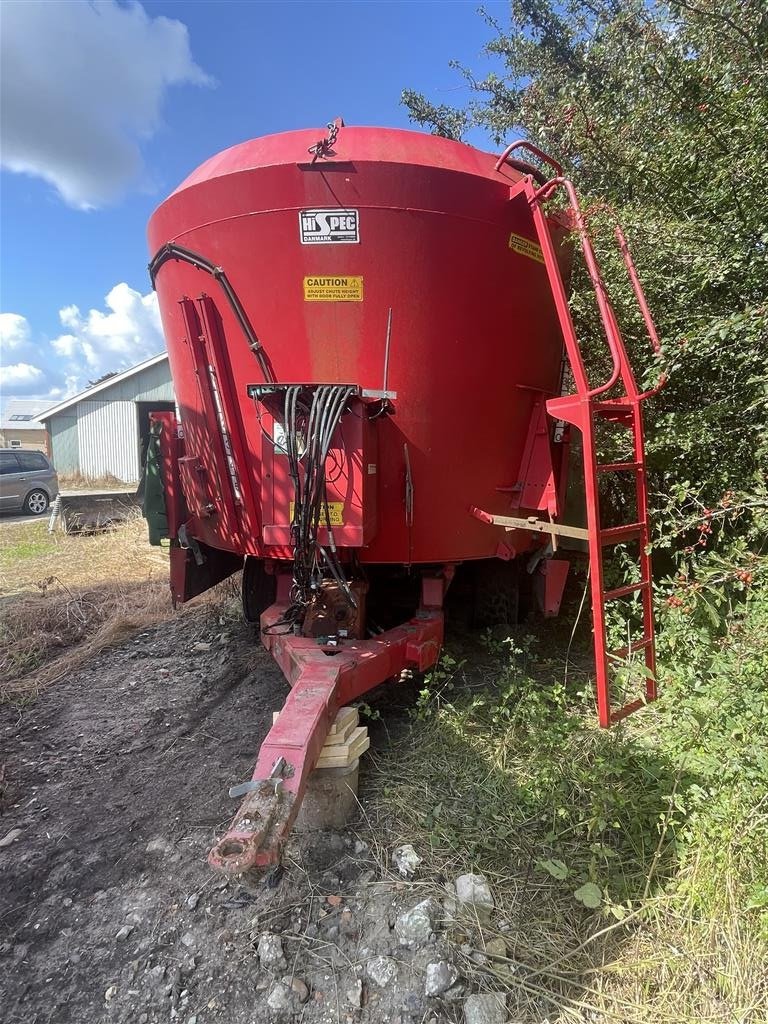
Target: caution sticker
point(333, 289)
point(524, 246)
point(335, 513)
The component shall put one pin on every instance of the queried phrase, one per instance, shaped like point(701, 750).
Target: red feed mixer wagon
point(367, 335)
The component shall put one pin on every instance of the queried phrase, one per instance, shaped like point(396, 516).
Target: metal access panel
point(351, 471)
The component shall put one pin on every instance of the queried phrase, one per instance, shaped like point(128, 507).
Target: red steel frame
point(582, 410)
point(322, 680)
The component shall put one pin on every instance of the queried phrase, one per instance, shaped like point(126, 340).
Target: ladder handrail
point(621, 366)
point(524, 144)
point(607, 315)
point(650, 327)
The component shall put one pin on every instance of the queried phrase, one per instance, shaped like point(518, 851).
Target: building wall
point(64, 445)
point(31, 440)
point(108, 439)
point(100, 436)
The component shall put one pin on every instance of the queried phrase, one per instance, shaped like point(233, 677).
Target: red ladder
point(583, 410)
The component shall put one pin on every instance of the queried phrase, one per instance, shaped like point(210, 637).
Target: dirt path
point(116, 780)
point(139, 745)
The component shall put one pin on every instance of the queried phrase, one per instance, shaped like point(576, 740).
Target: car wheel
point(36, 503)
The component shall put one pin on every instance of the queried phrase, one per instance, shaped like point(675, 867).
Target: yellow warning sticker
point(335, 513)
point(523, 245)
point(333, 289)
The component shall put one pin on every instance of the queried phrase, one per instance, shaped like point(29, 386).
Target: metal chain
point(324, 147)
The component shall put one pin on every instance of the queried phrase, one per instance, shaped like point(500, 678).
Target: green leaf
point(556, 868)
point(590, 895)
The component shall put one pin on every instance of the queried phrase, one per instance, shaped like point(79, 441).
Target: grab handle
point(523, 144)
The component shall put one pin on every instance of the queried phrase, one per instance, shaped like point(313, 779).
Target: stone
point(159, 847)
point(382, 970)
point(416, 927)
point(270, 952)
point(473, 895)
point(489, 1008)
point(406, 860)
point(193, 900)
point(188, 939)
point(110, 993)
point(299, 989)
point(354, 994)
point(440, 976)
point(201, 646)
point(496, 947)
point(11, 837)
point(124, 932)
point(281, 999)
point(360, 846)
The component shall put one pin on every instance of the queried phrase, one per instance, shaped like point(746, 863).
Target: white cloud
point(117, 339)
point(82, 86)
point(14, 331)
point(20, 378)
point(123, 333)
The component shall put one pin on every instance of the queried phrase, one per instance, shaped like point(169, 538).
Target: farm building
point(103, 431)
point(20, 426)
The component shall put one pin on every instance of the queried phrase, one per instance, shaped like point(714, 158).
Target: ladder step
point(611, 408)
point(630, 588)
point(614, 534)
point(617, 467)
point(624, 652)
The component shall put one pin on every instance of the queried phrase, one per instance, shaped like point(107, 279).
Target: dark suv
point(28, 482)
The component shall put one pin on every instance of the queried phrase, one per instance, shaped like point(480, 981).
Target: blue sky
point(107, 106)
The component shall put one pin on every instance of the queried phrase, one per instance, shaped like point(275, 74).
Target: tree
point(661, 111)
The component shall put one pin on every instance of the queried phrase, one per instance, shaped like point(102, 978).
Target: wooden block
point(343, 754)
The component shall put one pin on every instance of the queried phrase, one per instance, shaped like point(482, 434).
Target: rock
point(299, 990)
point(354, 994)
point(416, 927)
point(188, 939)
point(281, 999)
point(193, 900)
point(333, 901)
point(382, 970)
point(496, 947)
point(11, 837)
point(440, 977)
point(406, 860)
point(124, 932)
point(474, 896)
point(110, 993)
point(200, 647)
point(270, 952)
point(360, 846)
point(159, 847)
point(489, 1008)
point(192, 1019)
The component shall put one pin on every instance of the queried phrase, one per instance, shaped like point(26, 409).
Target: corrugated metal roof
point(90, 392)
point(22, 414)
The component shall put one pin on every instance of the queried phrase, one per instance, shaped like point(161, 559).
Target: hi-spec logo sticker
point(323, 227)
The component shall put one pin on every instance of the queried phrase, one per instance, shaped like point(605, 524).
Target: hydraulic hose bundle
point(309, 429)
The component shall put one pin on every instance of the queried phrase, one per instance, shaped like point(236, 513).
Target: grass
point(630, 866)
point(65, 597)
point(78, 482)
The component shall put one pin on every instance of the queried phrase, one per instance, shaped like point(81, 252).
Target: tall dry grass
point(64, 598)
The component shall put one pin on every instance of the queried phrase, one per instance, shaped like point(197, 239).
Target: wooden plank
point(344, 754)
point(539, 526)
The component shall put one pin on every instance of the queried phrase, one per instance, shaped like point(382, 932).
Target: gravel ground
point(114, 784)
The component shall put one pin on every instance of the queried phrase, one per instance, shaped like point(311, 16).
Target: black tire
point(496, 594)
point(36, 502)
point(259, 589)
